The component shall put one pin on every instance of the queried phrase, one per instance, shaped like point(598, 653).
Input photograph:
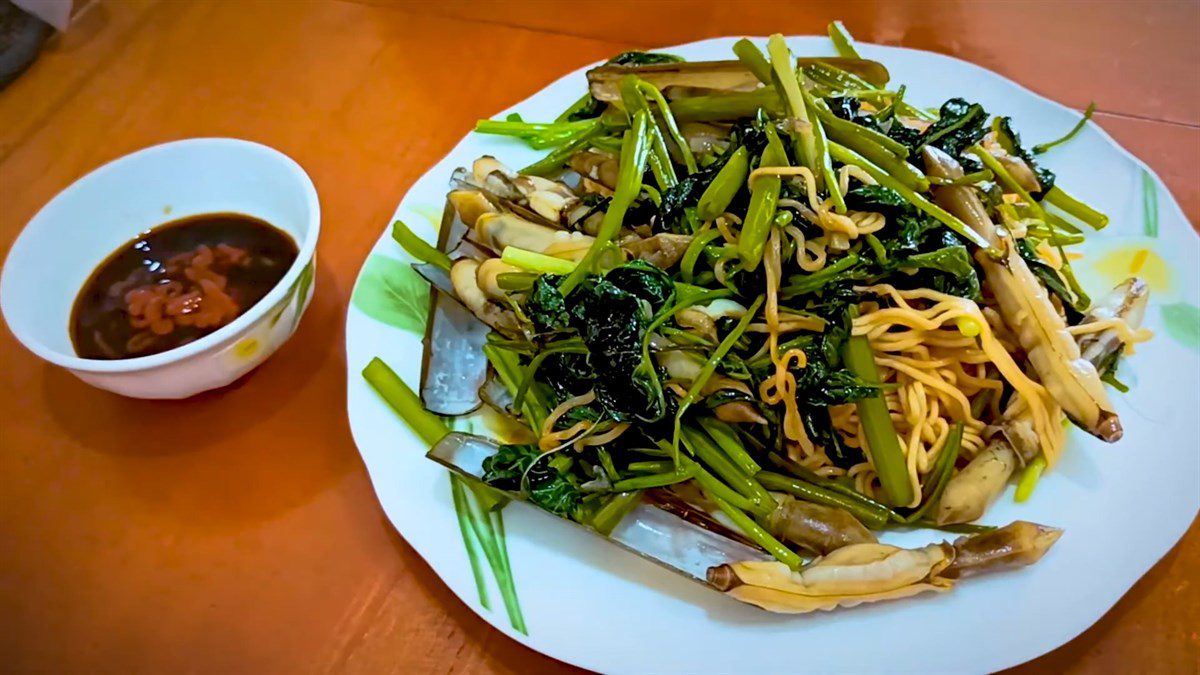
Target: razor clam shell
point(648, 531)
point(454, 367)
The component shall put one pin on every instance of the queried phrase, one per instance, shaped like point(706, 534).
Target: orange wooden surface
point(238, 532)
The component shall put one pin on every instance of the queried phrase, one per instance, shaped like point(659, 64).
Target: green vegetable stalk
point(884, 445)
point(847, 156)
point(941, 471)
point(652, 466)
point(846, 128)
point(535, 408)
point(874, 518)
point(634, 152)
point(710, 366)
point(785, 73)
point(660, 157)
point(687, 265)
point(579, 105)
point(537, 135)
point(842, 41)
point(726, 438)
point(532, 261)
point(569, 346)
point(1087, 115)
point(668, 121)
point(848, 134)
point(814, 282)
point(418, 247)
point(557, 158)
point(754, 532)
point(837, 79)
point(404, 401)
point(677, 475)
point(1029, 479)
point(724, 186)
point(889, 111)
point(764, 196)
point(614, 511)
point(707, 481)
point(1074, 207)
point(725, 107)
point(516, 281)
point(707, 453)
point(957, 528)
point(752, 57)
point(967, 179)
point(822, 154)
point(1007, 181)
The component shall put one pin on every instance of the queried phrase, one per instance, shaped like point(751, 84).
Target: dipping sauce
point(177, 283)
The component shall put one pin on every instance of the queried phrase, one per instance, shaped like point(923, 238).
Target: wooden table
point(237, 532)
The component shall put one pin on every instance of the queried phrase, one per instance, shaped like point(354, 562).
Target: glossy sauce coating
point(177, 283)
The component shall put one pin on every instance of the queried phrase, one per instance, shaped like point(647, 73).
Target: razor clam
point(1027, 310)
point(1127, 302)
point(820, 529)
point(454, 366)
point(649, 531)
point(977, 485)
point(864, 573)
point(1017, 544)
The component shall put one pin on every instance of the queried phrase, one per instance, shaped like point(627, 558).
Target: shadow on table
point(260, 446)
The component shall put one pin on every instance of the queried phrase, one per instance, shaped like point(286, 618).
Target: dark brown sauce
point(176, 283)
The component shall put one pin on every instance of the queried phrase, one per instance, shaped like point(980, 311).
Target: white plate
point(588, 603)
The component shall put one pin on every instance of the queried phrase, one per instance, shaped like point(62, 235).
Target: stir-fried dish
point(776, 297)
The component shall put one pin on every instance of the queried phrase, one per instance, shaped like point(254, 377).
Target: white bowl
point(58, 250)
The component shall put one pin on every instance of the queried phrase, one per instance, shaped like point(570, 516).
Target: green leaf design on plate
point(1182, 320)
point(390, 291)
point(1149, 205)
point(299, 289)
point(302, 285)
point(431, 213)
point(481, 524)
point(470, 540)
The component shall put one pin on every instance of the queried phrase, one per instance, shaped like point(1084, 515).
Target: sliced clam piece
point(464, 276)
point(662, 250)
point(602, 167)
point(497, 230)
point(488, 277)
point(470, 204)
